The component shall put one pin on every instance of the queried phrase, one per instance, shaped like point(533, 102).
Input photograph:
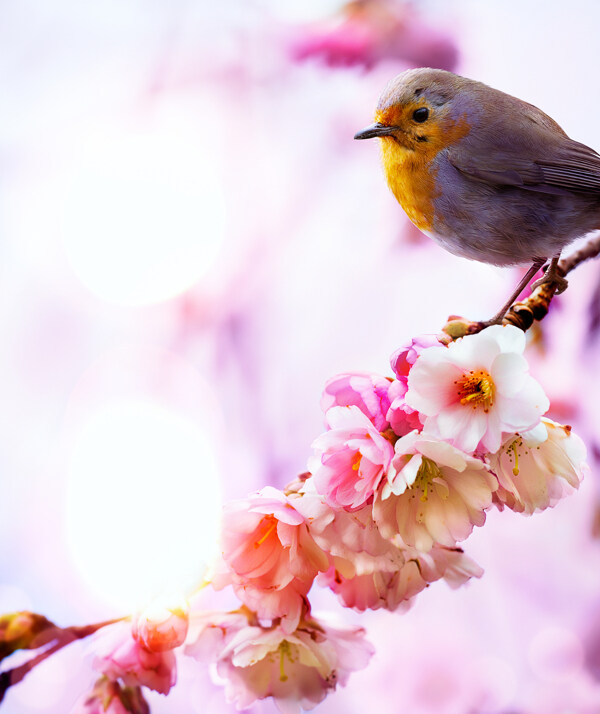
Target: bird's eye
point(421, 114)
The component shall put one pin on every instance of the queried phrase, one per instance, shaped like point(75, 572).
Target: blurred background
point(190, 244)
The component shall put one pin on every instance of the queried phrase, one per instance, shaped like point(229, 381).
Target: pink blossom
point(351, 43)
point(297, 669)
point(476, 390)
point(395, 588)
point(351, 538)
point(370, 571)
point(368, 32)
point(400, 416)
point(379, 398)
point(162, 626)
point(434, 493)
point(368, 392)
point(363, 563)
point(108, 697)
point(120, 656)
point(212, 630)
point(451, 564)
point(351, 459)
point(537, 469)
point(379, 589)
point(270, 557)
point(404, 358)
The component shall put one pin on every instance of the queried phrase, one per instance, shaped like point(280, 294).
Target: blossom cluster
point(365, 33)
point(407, 467)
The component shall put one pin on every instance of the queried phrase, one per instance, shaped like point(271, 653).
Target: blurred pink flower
point(577, 694)
point(269, 555)
point(297, 669)
point(369, 31)
point(537, 469)
point(162, 626)
point(434, 493)
point(351, 458)
point(212, 630)
point(120, 656)
point(108, 697)
point(477, 389)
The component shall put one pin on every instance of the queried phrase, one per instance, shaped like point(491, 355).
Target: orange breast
point(412, 181)
point(409, 166)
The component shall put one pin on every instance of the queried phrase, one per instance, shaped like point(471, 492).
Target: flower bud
point(109, 697)
point(163, 625)
point(22, 630)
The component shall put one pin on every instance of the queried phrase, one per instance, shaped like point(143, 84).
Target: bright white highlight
point(143, 503)
point(144, 217)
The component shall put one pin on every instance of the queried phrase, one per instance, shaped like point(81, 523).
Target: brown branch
point(524, 313)
point(588, 250)
point(61, 637)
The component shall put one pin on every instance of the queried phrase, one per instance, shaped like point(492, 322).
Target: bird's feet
point(554, 276)
point(499, 316)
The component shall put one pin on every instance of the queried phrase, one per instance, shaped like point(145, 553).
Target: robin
point(488, 176)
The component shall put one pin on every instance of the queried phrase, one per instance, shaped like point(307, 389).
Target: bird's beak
point(374, 130)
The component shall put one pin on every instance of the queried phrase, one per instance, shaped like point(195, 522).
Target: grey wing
point(569, 167)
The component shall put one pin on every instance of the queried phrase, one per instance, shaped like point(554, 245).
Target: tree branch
point(524, 313)
point(61, 637)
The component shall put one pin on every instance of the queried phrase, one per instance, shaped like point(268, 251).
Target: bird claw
point(552, 276)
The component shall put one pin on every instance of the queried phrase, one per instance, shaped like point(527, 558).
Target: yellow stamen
point(476, 388)
point(284, 650)
point(272, 526)
point(513, 447)
point(428, 470)
point(356, 461)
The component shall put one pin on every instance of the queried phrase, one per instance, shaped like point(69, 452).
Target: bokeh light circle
point(143, 502)
point(144, 213)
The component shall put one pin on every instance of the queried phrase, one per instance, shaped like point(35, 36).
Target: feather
point(568, 167)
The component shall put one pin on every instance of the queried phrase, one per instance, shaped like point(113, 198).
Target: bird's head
point(421, 110)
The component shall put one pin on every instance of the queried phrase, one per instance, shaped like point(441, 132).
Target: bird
point(488, 176)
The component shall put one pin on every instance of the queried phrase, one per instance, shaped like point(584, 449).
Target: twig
point(63, 636)
point(523, 313)
point(589, 250)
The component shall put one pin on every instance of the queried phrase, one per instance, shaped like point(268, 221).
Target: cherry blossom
point(120, 656)
point(379, 398)
point(450, 564)
point(368, 392)
point(297, 669)
point(400, 416)
point(434, 493)
point(537, 469)
point(351, 536)
point(108, 697)
point(404, 358)
point(395, 588)
point(162, 626)
point(475, 391)
point(386, 589)
point(269, 556)
point(366, 33)
point(212, 630)
point(351, 458)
